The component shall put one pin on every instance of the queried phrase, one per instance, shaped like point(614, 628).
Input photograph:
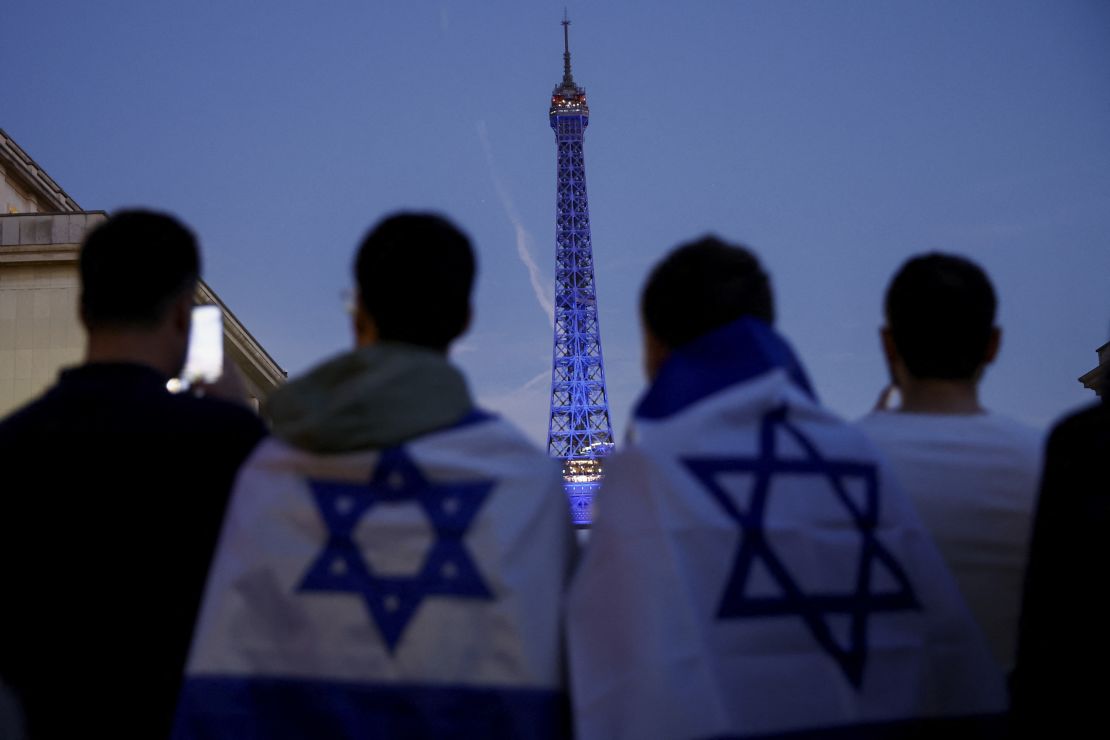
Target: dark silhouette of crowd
point(383, 558)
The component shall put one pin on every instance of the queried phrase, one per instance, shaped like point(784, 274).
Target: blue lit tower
point(580, 433)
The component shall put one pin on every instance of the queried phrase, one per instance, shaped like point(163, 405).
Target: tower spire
point(568, 79)
point(568, 97)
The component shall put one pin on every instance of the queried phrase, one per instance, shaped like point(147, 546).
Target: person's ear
point(655, 353)
point(181, 314)
point(365, 328)
point(895, 366)
point(886, 339)
point(466, 321)
point(993, 345)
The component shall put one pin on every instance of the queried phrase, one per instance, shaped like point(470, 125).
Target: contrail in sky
point(541, 378)
point(444, 20)
point(524, 405)
point(524, 243)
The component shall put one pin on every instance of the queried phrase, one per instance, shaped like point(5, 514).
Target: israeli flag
point(408, 592)
point(754, 570)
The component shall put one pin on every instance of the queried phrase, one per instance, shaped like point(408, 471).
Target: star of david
point(447, 569)
point(812, 608)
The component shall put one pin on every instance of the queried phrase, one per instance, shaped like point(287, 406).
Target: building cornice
point(32, 178)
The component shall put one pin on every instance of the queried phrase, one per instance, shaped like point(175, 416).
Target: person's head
point(414, 273)
point(700, 286)
point(940, 311)
point(138, 271)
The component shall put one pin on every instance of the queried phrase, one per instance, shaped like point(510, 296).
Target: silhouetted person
point(971, 473)
point(1060, 679)
point(113, 494)
point(752, 568)
point(394, 558)
point(11, 715)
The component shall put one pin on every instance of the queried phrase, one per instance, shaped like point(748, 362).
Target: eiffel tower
point(579, 433)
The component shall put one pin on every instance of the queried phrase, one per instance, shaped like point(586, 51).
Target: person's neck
point(363, 343)
point(935, 396)
point(134, 347)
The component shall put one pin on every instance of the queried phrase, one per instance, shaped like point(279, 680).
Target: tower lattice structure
point(580, 432)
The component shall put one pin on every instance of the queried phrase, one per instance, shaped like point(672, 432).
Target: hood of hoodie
point(370, 398)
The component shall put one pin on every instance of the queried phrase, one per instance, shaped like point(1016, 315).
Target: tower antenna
point(567, 78)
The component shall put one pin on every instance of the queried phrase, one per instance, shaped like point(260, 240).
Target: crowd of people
point(382, 558)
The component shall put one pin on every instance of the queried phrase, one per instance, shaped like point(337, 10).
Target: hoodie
point(369, 398)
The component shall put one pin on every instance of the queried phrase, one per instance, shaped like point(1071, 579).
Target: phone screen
point(204, 360)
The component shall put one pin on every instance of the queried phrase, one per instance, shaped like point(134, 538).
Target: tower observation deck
point(580, 433)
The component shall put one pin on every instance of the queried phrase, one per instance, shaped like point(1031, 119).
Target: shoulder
point(787, 429)
point(489, 447)
point(479, 443)
point(223, 422)
point(884, 427)
point(879, 421)
point(1084, 432)
point(1091, 420)
point(988, 429)
point(486, 435)
point(214, 409)
point(25, 422)
point(17, 421)
point(1021, 437)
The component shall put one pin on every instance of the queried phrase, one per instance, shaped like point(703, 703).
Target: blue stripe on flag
point(219, 708)
point(972, 727)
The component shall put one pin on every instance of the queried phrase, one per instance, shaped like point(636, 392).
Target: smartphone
point(204, 361)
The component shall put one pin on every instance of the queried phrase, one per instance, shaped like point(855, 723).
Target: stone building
point(41, 230)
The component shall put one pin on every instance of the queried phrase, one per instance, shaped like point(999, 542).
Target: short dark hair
point(133, 266)
point(941, 309)
point(703, 285)
point(415, 272)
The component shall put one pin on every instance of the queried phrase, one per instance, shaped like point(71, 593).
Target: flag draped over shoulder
point(754, 570)
point(413, 591)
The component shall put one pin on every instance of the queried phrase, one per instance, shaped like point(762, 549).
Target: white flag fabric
point(753, 570)
point(408, 592)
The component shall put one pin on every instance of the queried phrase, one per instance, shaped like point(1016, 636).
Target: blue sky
point(835, 138)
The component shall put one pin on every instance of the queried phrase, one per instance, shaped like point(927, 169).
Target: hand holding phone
point(204, 360)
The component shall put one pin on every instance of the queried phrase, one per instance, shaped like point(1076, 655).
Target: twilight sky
point(834, 138)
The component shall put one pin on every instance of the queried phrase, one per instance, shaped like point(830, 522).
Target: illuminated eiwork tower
point(579, 433)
